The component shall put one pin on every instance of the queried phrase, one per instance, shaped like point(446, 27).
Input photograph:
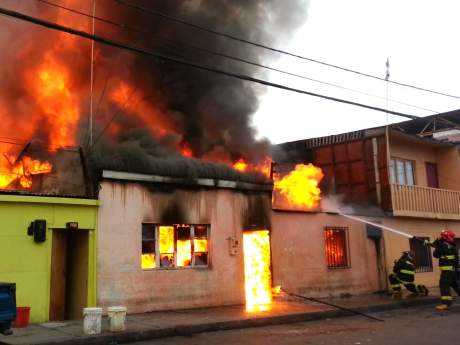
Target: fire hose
point(356, 312)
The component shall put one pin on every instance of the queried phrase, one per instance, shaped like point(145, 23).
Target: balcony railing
point(425, 202)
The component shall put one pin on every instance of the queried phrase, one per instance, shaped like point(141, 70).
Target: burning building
point(169, 151)
point(403, 176)
point(175, 242)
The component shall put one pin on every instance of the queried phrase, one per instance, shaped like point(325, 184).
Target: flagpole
point(92, 79)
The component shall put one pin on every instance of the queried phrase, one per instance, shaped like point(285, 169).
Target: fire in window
point(336, 247)
point(177, 245)
point(148, 246)
point(422, 260)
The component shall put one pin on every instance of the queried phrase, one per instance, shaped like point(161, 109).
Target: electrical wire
point(208, 51)
point(242, 40)
point(163, 57)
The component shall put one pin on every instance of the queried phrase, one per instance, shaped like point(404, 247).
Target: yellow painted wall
point(449, 168)
point(418, 152)
point(28, 264)
point(446, 157)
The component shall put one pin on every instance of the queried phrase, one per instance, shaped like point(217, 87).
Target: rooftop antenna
point(387, 78)
point(92, 78)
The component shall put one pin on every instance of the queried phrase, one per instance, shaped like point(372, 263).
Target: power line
point(242, 40)
point(208, 51)
point(163, 57)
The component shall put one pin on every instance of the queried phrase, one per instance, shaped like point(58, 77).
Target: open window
point(177, 245)
point(336, 247)
point(423, 261)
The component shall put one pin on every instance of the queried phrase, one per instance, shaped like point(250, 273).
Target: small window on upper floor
point(402, 171)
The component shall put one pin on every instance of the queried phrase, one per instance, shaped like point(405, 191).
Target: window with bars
point(402, 171)
point(423, 261)
point(336, 247)
point(177, 245)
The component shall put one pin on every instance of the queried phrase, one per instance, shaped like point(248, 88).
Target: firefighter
point(447, 253)
point(404, 273)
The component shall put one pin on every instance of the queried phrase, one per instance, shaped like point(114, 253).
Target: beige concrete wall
point(419, 152)
point(299, 259)
point(121, 281)
point(449, 168)
point(395, 244)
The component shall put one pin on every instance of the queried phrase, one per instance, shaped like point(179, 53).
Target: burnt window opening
point(177, 245)
point(422, 260)
point(148, 246)
point(336, 247)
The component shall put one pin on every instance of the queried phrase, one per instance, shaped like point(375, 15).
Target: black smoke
point(211, 113)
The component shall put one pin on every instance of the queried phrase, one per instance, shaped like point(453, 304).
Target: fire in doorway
point(257, 270)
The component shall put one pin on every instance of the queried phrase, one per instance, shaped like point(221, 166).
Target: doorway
point(69, 274)
point(257, 270)
point(432, 175)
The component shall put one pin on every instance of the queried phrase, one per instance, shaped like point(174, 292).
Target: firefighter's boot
point(442, 307)
point(397, 294)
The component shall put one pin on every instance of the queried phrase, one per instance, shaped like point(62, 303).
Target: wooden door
point(77, 274)
point(58, 275)
point(432, 175)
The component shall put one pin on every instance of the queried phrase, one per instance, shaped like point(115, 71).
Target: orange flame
point(186, 150)
point(21, 171)
point(240, 165)
point(263, 168)
point(51, 91)
point(184, 253)
point(257, 274)
point(301, 186)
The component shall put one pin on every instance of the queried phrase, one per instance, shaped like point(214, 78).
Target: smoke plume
point(146, 111)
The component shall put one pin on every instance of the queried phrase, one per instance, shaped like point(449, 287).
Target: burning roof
point(149, 116)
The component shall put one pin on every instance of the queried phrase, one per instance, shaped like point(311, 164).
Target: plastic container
point(92, 320)
point(7, 306)
point(117, 317)
point(22, 317)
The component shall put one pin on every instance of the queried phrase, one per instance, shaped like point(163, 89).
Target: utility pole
point(92, 78)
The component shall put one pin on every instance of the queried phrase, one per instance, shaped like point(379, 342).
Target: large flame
point(257, 274)
point(21, 172)
point(50, 89)
point(301, 186)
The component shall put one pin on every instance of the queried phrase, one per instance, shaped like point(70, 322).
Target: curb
point(188, 330)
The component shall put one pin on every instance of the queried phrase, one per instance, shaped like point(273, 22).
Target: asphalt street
point(420, 326)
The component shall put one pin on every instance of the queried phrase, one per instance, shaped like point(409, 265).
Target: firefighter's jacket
point(404, 270)
point(447, 253)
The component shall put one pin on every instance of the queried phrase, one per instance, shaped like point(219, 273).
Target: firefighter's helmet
point(448, 235)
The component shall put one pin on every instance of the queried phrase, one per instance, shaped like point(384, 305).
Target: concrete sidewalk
point(187, 322)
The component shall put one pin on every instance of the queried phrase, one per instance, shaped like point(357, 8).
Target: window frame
point(393, 171)
point(422, 269)
point(192, 237)
point(347, 264)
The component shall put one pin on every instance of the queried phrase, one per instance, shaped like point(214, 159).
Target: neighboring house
point(48, 242)
point(405, 176)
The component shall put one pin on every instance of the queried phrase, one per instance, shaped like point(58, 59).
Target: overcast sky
point(421, 38)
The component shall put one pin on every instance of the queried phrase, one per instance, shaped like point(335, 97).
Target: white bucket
point(117, 317)
point(92, 320)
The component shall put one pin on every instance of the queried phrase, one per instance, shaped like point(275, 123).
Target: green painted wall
point(27, 263)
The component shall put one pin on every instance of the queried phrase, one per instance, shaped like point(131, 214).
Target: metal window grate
point(423, 261)
point(336, 247)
